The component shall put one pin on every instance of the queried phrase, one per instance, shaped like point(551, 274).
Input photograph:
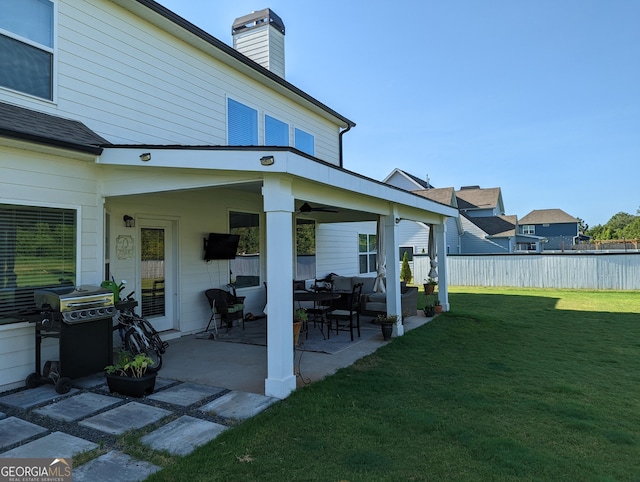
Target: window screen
point(242, 124)
point(276, 132)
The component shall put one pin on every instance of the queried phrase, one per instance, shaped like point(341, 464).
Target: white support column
point(394, 300)
point(278, 206)
point(440, 231)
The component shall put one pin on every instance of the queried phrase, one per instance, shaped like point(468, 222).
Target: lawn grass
point(511, 384)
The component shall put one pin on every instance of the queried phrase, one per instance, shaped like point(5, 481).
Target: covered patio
point(192, 189)
point(243, 367)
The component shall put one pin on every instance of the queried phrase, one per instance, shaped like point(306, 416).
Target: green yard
point(511, 384)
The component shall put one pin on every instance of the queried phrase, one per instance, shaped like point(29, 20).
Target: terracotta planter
point(297, 325)
point(132, 387)
point(438, 309)
point(429, 288)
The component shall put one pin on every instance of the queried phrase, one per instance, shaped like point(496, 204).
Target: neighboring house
point(559, 230)
point(481, 228)
point(127, 134)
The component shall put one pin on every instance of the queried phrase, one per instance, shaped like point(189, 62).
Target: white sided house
point(127, 134)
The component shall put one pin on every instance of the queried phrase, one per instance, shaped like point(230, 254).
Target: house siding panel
point(48, 180)
point(152, 88)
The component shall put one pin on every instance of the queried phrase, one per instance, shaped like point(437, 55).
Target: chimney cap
point(257, 19)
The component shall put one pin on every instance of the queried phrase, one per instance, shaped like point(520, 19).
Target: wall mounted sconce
point(129, 222)
point(398, 220)
point(267, 160)
point(145, 156)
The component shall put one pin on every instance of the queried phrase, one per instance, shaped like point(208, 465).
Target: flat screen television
point(221, 246)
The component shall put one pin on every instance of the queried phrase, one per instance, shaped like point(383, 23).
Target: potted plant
point(437, 306)
point(131, 375)
point(386, 323)
point(300, 317)
point(429, 286)
point(429, 310)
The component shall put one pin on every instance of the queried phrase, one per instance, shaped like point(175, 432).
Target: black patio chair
point(225, 304)
point(344, 319)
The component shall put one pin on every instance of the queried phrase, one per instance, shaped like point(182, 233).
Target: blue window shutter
point(304, 142)
point(276, 132)
point(242, 124)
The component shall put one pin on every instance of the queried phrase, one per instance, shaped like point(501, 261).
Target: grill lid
point(74, 298)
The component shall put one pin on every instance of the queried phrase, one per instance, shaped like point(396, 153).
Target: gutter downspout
point(342, 132)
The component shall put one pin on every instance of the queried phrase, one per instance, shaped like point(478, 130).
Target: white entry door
point(157, 263)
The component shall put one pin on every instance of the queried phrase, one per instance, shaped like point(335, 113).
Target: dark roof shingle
point(29, 125)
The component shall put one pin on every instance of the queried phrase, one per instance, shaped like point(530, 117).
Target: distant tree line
point(620, 226)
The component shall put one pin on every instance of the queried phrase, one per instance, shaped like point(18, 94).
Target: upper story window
point(367, 253)
point(26, 46)
point(242, 124)
point(37, 250)
point(528, 229)
point(304, 142)
point(276, 132)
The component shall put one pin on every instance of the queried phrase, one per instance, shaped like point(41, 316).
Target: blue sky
point(540, 98)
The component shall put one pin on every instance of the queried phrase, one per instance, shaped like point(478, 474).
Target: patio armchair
point(229, 306)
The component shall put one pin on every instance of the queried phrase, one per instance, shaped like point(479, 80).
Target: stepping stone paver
point(114, 465)
point(126, 417)
point(185, 394)
point(33, 396)
point(238, 405)
point(77, 407)
point(183, 435)
point(14, 430)
point(56, 444)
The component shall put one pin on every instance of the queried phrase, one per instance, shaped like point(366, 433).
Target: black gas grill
point(81, 317)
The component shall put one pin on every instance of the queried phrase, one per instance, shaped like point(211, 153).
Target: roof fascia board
point(46, 145)
point(171, 22)
point(286, 161)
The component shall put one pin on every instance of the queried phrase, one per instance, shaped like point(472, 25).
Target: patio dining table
point(319, 310)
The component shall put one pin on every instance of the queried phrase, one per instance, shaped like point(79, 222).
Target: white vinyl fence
point(610, 271)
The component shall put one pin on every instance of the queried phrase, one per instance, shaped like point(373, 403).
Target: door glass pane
point(152, 264)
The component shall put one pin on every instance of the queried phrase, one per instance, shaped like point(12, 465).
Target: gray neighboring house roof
point(547, 216)
point(29, 125)
point(495, 226)
point(474, 197)
point(442, 195)
point(419, 181)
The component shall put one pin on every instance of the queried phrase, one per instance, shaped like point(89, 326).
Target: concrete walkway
point(203, 388)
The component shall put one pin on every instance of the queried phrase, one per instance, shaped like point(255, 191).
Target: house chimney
point(260, 36)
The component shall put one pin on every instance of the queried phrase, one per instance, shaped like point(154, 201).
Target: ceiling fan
point(307, 208)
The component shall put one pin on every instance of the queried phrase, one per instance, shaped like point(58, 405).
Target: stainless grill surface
point(77, 304)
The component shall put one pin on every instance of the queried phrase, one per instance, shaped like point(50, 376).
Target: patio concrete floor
point(243, 367)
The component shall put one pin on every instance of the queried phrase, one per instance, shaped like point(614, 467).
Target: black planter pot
point(132, 387)
point(387, 330)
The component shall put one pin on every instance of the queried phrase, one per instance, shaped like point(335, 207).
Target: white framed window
point(27, 46)
point(37, 250)
point(276, 132)
point(242, 124)
point(367, 253)
point(528, 229)
point(303, 141)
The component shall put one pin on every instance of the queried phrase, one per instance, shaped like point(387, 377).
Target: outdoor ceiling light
point(145, 156)
point(267, 160)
